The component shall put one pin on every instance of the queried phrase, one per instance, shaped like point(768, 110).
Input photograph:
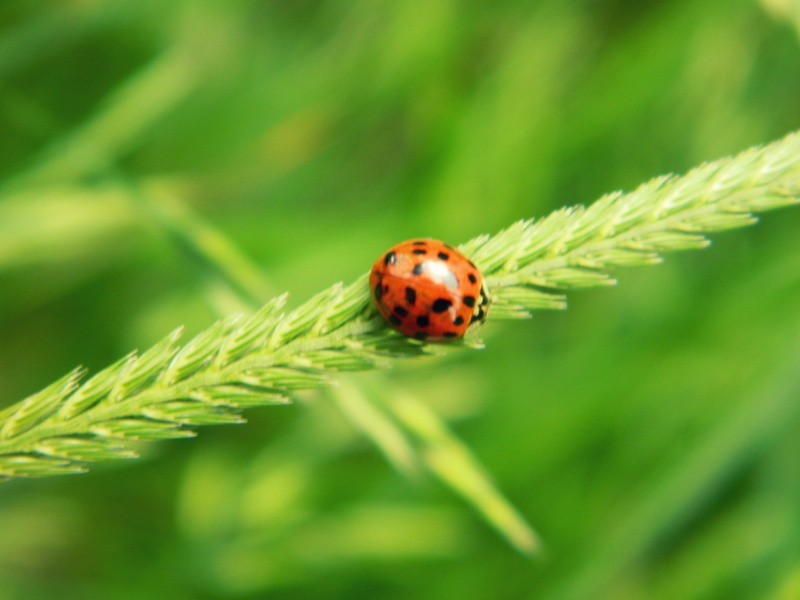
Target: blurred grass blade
point(678, 494)
point(385, 433)
point(203, 244)
point(60, 224)
point(450, 460)
point(129, 111)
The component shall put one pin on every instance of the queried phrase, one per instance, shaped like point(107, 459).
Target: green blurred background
point(167, 163)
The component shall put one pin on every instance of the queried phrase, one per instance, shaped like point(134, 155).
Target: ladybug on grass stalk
point(428, 290)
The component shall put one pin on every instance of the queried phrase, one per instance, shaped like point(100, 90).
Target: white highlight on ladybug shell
point(438, 272)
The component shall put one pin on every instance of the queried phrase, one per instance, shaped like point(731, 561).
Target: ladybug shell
point(428, 290)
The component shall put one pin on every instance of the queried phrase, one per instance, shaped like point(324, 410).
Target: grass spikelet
point(94, 390)
point(143, 370)
point(39, 406)
point(191, 413)
point(251, 333)
point(83, 449)
point(199, 351)
point(139, 429)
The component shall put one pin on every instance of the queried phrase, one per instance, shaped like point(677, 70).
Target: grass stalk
point(242, 362)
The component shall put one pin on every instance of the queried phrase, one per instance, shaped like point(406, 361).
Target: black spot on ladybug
point(418, 243)
point(389, 259)
point(400, 311)
point(472, 278)
point(394, 320)
point(377, 292)
point(441, 304)
point(469, 301)
point(418, 269)
point(443, 255)
point(449, 334)
point(458, 321)
point(385, 289)
point(411, 295)
point(423, 321)
point(419, 251)
point(420, 335)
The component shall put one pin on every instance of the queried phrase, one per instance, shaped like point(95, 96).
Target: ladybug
point(428, 290)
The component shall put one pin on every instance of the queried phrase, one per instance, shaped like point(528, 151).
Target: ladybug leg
point(482, 306)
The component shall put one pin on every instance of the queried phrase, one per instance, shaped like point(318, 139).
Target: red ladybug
point(428, 290)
